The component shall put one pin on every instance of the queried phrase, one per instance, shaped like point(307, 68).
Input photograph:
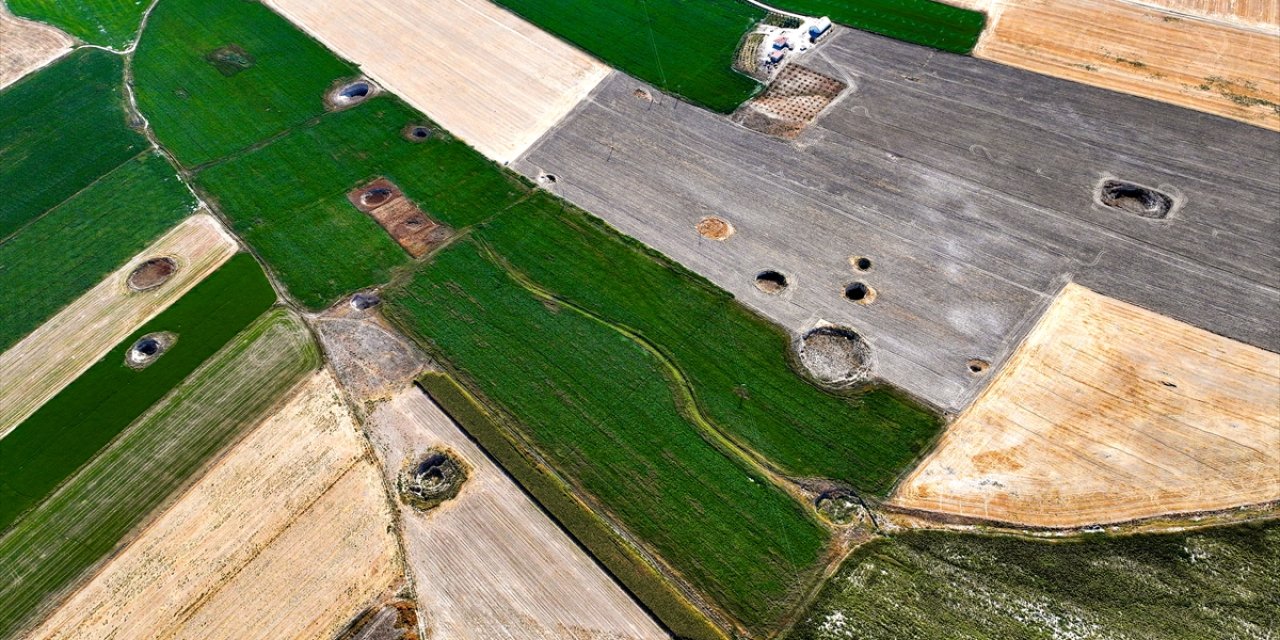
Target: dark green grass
point(60, 130)
point(200, 114)
point(650, 588)
point(80, 524)
point(925, 22)
point(75, 424)
point(683, 47)
point(70, 249)
point(1217, 583)
point(109, 23)
point(602, 411)
point(736, 360)
point(288, 199)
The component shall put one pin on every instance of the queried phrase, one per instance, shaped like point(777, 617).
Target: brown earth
point(791, 103)
point(1211, 66)
point(1110, 413)
point(26, 46)
point(715, 228)
point(489, 564)
point(152, 273)
point(288, 536)
point(1259, 13)
point(399, 216)
point(49, 358)
point(480, 71)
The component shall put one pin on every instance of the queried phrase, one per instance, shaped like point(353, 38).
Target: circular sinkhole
point(859, 292)
point(978, 366)
point(416, 133)
point(714, 228)
point(840, 506)
point(375, 197)
point(350, 93)
point(148, 349)
point(860, 263)
point(835, 355)
point(437, 476)
point(771, 282)
point(152, 273)
point(1134, 198)
point(362, 301)
point(547, 179)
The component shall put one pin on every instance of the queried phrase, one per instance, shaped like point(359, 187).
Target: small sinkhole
point(1135, 198)
point(860, 293)
point(771, 282)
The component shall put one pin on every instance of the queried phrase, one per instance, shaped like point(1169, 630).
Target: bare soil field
point(1200, 64)
point(489, 564)
point(372, 362)
point(26, 46)
point(1109, 413)
point(791, 102)
point(289, 536)
point(1259, 13)
point(49, 358)
point(489, 77)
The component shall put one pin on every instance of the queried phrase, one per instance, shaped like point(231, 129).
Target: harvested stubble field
point(26, 46)
point(69, 249)
point(61, 130)
point(1258, 13)
point(56, 542)
point(69, 429)
point(489, 563)
point(933, 24)
point(288, 536)
point(201, 114)
point(1206, 65)
point(487, 76)
point(107, 23)
point(49, 358)
point(1214, 583)
point(1106, 413)
point(601, 409)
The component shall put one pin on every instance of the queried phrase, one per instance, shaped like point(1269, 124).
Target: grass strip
point(69, 429)
point(45, 553)
point(107, 23)
point(644, 583)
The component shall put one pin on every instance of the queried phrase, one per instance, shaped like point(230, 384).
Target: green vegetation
point(1215, 583)
point(60, 130)
point(202, 114)
point(601, 409)
point(82, 522)
point(109, 23)
point(735, 360)
point(933, 24)
point(74, 425)
point(289, 198)
point(64, 253)
point(682, 47)
point(650, 588)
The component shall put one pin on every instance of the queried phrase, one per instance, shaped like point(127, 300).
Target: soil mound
point(152, 273)
point(835, 355)
point(715, 228)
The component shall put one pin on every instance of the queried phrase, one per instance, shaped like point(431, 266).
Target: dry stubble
point(26, 46)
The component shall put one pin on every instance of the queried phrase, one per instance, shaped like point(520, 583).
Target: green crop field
point(736, 360)
point(68, 250)
point(109, 23)
point(686, 48)
point(934, 24)
point(60, 130)
point(603, 410)
point(70, 428)
point(82, 522)
point(200, 112)
point(288, 198)
point(1215, 583)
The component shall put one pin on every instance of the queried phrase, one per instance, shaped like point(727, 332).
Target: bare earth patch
point(26, 46)
point(399, 216)
point(1211, 66)
point(1109, 413)
point(487, 76)
point(714, 228)
point(49, 358)
point(287, 537)
point(489, 563)
point(792, 102)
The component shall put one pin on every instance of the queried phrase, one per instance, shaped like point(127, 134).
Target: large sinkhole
point(835, 355)
point(435, 477)
point(1135, 198)
point(771, 282)
point(148, 349)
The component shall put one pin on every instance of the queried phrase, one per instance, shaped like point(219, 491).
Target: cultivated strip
point(47, 360)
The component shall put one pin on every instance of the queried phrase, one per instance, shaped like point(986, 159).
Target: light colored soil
point(1206, 65)
point(715, 228)
point(372, 362)
point(487, 76)
point(289, 536)
point(1258, 13)
point(489, 564)
point(1109, 413)
point(26, 46)
point(49, 358)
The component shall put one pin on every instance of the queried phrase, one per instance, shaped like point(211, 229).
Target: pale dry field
point(58, 351)
point(489, 564)
point(1264, 14)
point(288, 536)
point(1109, 413)
point(487, 76)
point(26, 46)
point(1200, 64)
